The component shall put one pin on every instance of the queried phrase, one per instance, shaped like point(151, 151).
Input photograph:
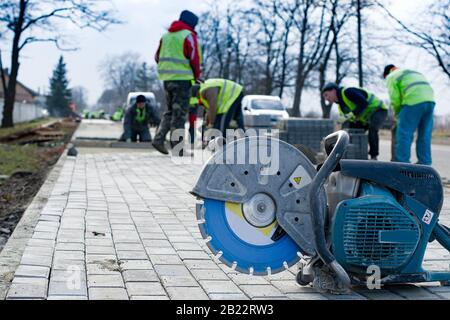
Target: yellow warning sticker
point(298, 180)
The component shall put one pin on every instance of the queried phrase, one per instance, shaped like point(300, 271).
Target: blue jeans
point(410, 119)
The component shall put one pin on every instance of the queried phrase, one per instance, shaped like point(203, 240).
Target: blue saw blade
point(242, 246)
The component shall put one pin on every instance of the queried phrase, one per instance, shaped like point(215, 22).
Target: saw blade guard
point(260, 182)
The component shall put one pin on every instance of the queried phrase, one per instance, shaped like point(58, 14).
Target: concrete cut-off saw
point(264, 207)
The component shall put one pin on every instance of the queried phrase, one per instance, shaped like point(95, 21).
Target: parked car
point(263, 111)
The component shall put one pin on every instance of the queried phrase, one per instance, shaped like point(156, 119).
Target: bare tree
point(24, 19)
point(312, 44)
point(433, 35)
point(120, 73)
point(340, 13)
point(79, 97)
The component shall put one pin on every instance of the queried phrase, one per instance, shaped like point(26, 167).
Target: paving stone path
point(121, 225)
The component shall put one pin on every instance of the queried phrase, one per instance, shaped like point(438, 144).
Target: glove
point(347, 117)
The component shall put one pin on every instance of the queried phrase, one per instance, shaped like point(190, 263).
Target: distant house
point(23, 93)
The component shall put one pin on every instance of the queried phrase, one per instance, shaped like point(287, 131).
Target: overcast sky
point(146, 21)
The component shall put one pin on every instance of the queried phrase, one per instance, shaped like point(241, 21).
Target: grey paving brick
point(160, 251)
point(108, 294)
point(27, 291)
point(241, 279)
point(231, 296)
point(172, 270)
point(44, 235)
point(32, 272)
point(165, 259)
point(157, 243)
point(216, 286)
point(136, 265)
point(208, 274)
point(30, 281)
point(67, 298)
point(100, 258)
point(193, 255)
point(41, 243)
point(413, 292)
point(177, 293)
point(69, 255)
point(306, 296)
point(132, 255)
point(99, 242)
point(68, 275)
point(255, 291)
point(36, 260)
point(140, 276)
point(287, 286)
point(103, 268)
point(153, 236)
point(100, 250)
point(68, 264)
point(171, 281)
point(380, 295)
point(201, 264)
point(105, 281)
point(145, 289)
point(70, 247)
point(67, 288)
point(187, 246)
point(149, 298)
point(129, 247)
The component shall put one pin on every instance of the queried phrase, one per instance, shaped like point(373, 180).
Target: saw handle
point(335, 146)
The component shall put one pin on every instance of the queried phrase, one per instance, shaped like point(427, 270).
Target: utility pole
point(360, 51)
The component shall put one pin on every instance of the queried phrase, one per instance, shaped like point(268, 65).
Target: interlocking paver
point(140, 276)
point(177, 293)
point(171, 281)
point(145, 289)
point(105, 281)
point(32, 272)
point(108, 294)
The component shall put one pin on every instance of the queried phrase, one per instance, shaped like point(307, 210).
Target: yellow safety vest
point(229, 91)
point(374, 103)
point(173, 65)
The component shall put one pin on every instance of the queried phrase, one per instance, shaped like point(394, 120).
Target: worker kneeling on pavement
point(359, 109)
point(412, 98)
point(137, 120)
point(222, 100)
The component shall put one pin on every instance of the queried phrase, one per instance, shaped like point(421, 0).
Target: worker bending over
point(359, 109)
point(412, 99)
point(222, 100)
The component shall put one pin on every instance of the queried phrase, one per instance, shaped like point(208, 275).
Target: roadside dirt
point(38, 150)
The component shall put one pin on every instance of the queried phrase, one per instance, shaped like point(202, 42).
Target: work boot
point(160, 147)
point(374, 158)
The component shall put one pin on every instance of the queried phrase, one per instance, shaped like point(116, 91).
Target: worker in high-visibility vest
point(412, 99)
point(222, 100)
point(359, 109)
point(137, 119)
point(179, 63)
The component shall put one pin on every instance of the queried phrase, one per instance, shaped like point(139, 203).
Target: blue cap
point(189, 18)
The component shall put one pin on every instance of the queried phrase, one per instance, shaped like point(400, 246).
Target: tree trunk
point(299, 85)
point(10, 95)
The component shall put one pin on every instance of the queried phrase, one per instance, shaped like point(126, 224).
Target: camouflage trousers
point(178, 94)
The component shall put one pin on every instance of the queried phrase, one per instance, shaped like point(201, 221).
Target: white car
point(263, 111)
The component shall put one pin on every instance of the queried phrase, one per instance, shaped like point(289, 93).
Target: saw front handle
point(335, 146)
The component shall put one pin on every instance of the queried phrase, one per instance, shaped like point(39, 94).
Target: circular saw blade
point(242, 246)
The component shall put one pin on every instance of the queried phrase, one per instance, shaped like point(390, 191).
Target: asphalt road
point(441, 157)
